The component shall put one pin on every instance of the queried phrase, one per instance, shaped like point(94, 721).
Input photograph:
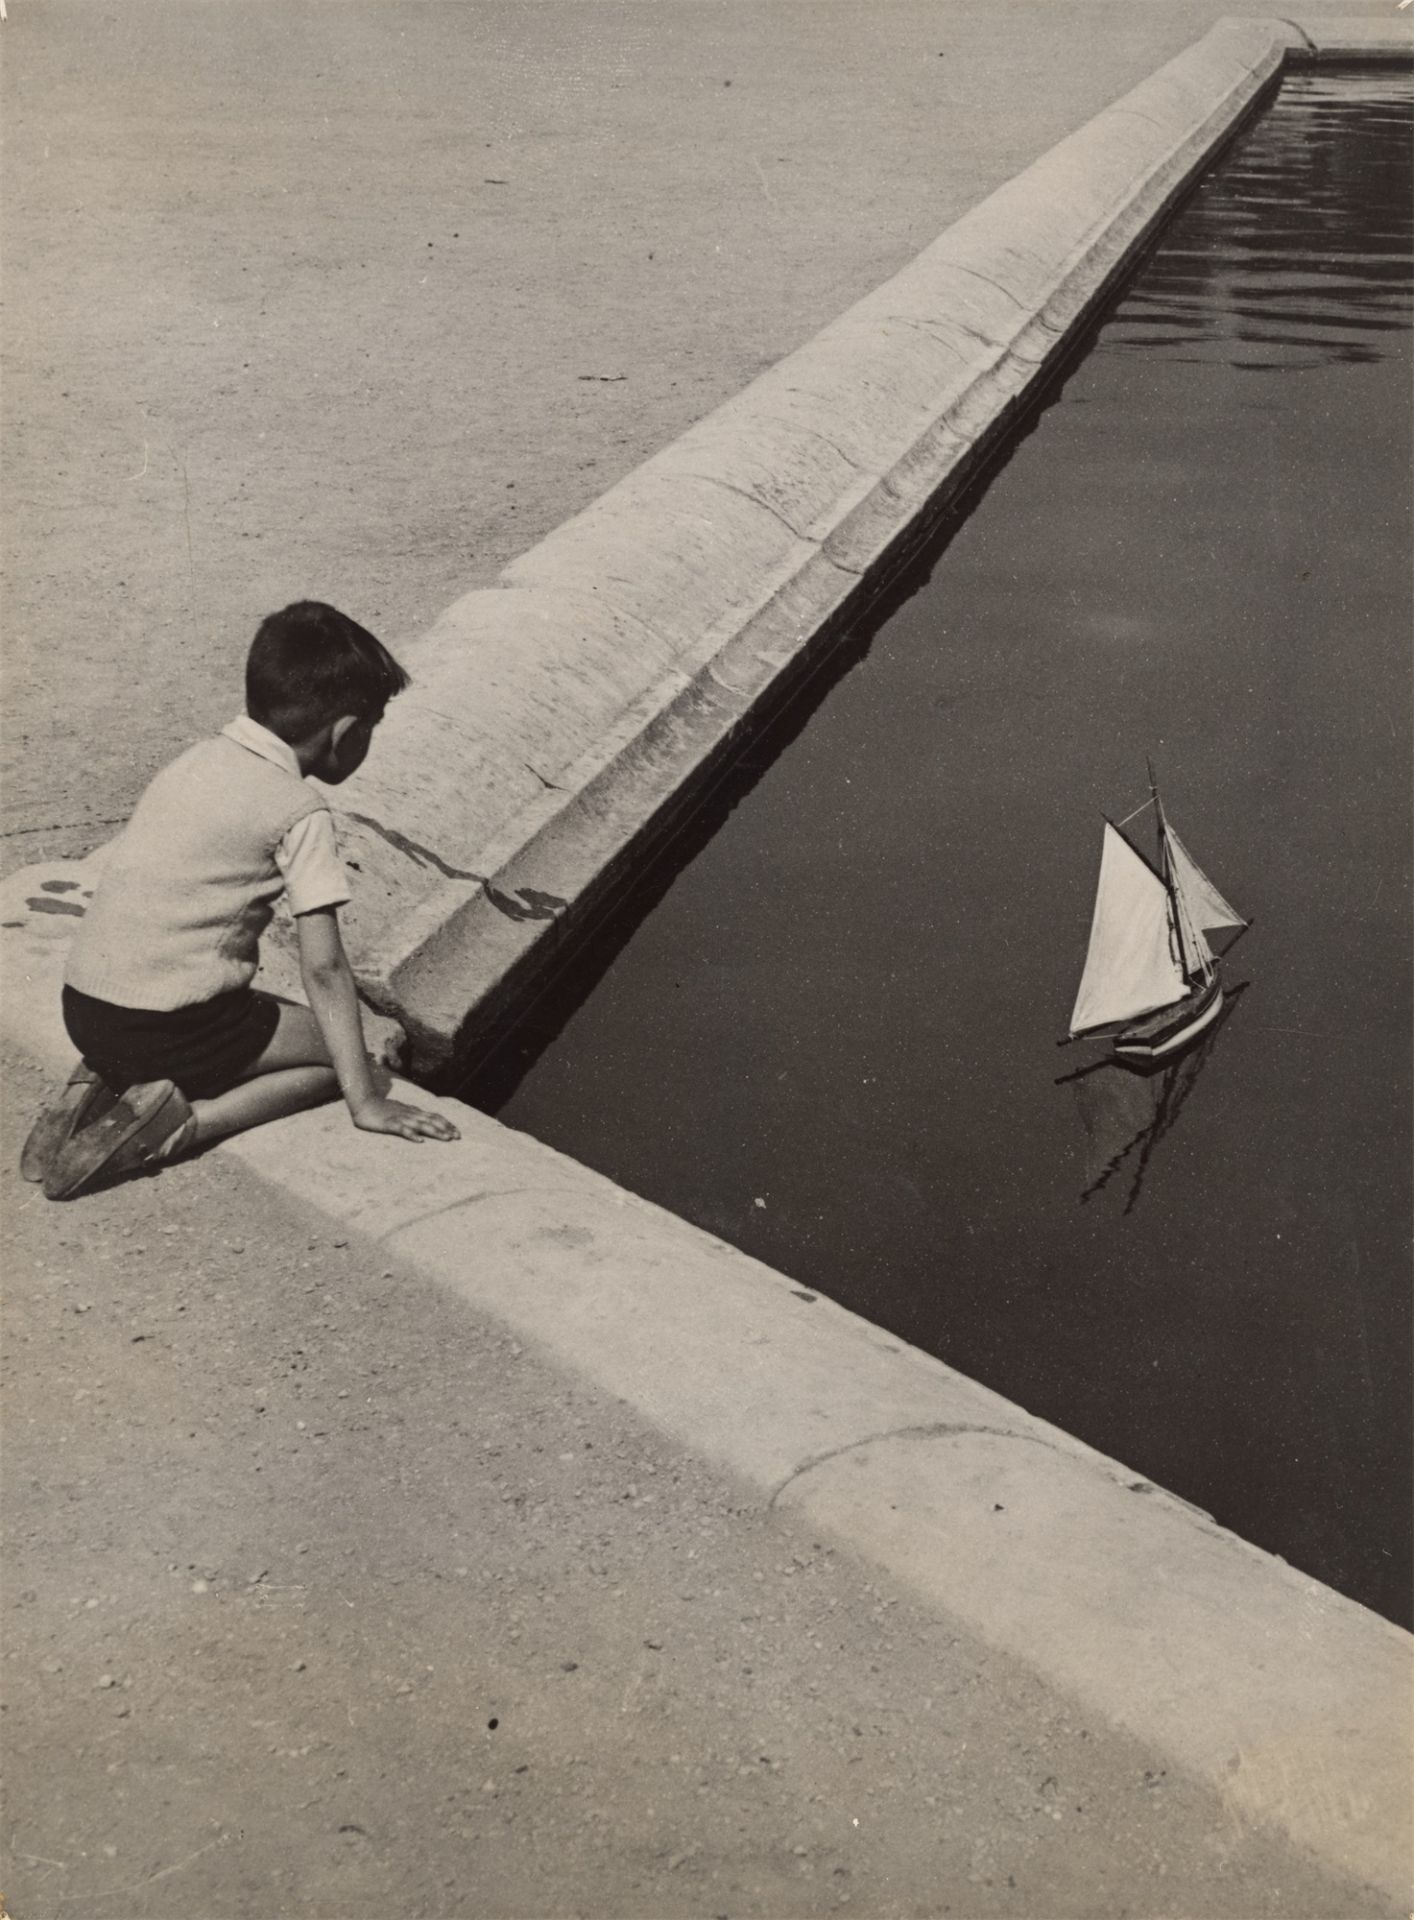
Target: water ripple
point(1300, 253)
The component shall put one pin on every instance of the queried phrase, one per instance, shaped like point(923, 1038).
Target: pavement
point(329, 1596)
point(328, 1591)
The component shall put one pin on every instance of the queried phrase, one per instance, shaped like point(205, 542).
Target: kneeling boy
point(178, 1048)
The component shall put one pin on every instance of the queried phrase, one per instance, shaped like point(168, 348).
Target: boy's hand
point(333, 999)
point(382, 1115)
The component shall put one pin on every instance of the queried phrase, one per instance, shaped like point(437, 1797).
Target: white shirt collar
point(249, 733)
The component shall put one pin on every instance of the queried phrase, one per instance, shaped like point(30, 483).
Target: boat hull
point(1159, 1036)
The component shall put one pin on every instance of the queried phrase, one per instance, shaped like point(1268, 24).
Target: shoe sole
point(58, 1121)
point(66, 1182)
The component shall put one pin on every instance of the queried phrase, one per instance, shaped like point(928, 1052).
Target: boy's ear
point(340, 728)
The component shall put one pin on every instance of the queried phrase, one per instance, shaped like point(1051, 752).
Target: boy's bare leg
point(294, 1072)
point(252, 1102)
point(297, 1042)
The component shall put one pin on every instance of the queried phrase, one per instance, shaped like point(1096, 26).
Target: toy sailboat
point(1151, 980)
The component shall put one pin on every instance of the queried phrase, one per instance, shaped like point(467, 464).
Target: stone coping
point(561, 721)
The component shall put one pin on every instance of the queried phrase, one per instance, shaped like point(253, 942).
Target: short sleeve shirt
point(308, 856)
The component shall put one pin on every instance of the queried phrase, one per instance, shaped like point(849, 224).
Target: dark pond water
point(828, 1035)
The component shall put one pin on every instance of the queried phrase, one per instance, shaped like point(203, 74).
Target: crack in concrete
point(809, 393)
point(162, 1873)
point(930, 327)
point(448, 1206)
point(738, 693)
point(988, 281)
point(732, 486)
point(1119, 1480)
point(833, 445)
point(1133, 113)
point(466, 1200)
point(923, 1430)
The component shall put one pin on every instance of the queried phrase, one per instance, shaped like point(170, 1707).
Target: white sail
point(1131, 966)
point(1204, 905)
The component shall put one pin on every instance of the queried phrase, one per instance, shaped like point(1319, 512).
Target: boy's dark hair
point(309, 665)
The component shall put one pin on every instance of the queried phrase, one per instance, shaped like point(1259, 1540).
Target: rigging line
point(1136, 813)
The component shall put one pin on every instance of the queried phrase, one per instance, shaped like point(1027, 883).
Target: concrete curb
point(1291, 1701)
point(559, 722)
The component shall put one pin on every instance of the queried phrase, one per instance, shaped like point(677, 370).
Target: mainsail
point(1131, 966)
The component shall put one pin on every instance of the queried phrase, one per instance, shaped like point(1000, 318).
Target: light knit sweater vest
point(189, 885)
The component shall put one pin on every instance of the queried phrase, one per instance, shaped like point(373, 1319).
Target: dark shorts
point(203, 1049)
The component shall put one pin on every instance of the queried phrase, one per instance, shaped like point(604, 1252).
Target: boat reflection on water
point(1127, 1110)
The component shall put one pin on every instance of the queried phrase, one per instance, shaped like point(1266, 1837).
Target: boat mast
point(1159, 817)
point(1176, 907)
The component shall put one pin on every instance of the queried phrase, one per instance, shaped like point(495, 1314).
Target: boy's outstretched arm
point(333, 1000)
